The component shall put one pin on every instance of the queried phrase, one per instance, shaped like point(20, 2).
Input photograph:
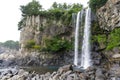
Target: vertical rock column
point(30, 31)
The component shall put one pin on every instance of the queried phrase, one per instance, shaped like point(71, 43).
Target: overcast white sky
point(10, 15)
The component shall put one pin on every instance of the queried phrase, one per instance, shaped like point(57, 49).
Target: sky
point(10, 15)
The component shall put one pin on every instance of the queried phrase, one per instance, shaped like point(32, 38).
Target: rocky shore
point(63, 73)
point(98, 72)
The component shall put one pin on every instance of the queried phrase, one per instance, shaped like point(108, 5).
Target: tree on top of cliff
point(96, 4)
point(66, 6)
point(32, 8)
point(55, 5)
point(57, 12)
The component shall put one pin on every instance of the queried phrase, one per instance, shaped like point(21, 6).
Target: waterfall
point(78, 23)
point(76, 39)
point(85, 59)
point(85, 53)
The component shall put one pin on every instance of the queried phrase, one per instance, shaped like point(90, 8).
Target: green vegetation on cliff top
point(96, 4)
point(32, 8)
point(59, 12)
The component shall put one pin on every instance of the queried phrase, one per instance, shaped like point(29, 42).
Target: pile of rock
point(63, 73)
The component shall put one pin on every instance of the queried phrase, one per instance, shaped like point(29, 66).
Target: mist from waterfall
point(85, 60)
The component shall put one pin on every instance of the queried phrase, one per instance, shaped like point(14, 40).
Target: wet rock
point(64, 68)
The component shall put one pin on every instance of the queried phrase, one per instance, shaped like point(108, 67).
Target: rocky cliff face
point(31, 31)
point(109, 15)
point(109, 21)
point(38, 28)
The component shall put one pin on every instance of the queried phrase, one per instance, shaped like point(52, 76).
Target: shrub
point(30, 44)
point(57, 45)
point(96, 4)
point(21, 23)
point(114, 39)
point(101, 38)
point(37, 47)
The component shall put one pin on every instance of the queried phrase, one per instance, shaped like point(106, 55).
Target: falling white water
point(76, 39)
point(85, 57)
point(78, 24)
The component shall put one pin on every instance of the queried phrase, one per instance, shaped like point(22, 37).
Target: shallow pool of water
point(41, 69)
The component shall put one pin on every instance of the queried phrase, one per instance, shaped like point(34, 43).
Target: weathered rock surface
point(13, 58)
point(38, 28)
point(92, 73)
point(109, 15)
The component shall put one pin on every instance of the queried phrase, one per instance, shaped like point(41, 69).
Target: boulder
point(71, 77)
point(116, 56)
point(99, 75)
point(66, 74)
point(115, 71)
point(64, 68)
point(116, 50)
